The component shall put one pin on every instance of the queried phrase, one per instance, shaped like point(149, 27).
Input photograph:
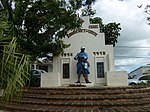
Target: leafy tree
point(84, 5)
point(75, 4)
point(111, 30)
point(42, 24)
point(97, 20)
point(87, 10)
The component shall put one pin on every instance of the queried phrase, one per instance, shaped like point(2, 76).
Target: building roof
point(144, 66)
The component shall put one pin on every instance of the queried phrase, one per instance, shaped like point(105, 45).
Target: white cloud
point(135, 30)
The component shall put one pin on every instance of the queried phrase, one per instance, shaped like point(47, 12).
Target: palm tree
point(14, 69)
point(14, 65)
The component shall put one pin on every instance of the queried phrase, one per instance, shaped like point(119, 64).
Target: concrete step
point(82, 99)
point(88, 97)
point(43, 108)
point(88, 102)
point(85, 90)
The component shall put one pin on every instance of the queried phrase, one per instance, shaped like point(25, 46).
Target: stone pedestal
point(116, 78)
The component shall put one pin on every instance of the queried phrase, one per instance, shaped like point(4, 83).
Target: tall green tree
point(111, 30)
point(41, 24)
point(45, 24)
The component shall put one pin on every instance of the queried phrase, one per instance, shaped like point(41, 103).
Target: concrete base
point(50, 80)
point(113, 78)
point(116, 78)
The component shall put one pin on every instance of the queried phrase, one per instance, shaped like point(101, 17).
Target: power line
point(132, 47)
point(137, 47)
point(133, 57)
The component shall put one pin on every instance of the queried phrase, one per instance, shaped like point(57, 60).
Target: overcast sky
point(135, 31)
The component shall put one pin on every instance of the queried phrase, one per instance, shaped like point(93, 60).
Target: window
point(66, 72)
point(45, 68)
point(145, 78)
point(100, 69)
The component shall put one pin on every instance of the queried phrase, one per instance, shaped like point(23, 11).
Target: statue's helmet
point(82, 48)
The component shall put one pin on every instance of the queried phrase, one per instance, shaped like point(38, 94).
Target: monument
point(62, 70)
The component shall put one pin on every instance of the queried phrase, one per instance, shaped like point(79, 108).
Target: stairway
point(83, 99)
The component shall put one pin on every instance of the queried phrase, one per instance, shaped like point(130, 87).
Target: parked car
point(37, 71)
point(36, 77)
point(141, 79)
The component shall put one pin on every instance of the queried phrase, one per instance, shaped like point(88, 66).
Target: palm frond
point(14, 70)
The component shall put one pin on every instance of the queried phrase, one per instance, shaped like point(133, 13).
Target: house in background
point(143, 70)
point(62, 69)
